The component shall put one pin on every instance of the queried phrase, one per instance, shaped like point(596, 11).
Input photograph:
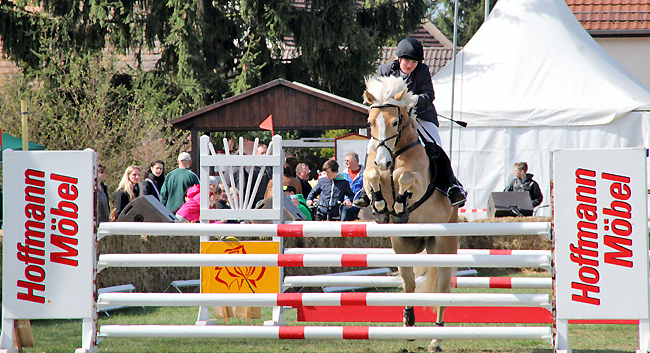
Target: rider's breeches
point(429, 130)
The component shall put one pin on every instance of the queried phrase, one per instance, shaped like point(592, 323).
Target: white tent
point(532, 80)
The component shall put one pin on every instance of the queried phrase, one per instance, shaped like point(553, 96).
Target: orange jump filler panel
point(243, 279)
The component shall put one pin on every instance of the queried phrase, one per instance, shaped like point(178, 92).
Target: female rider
point(409, 66)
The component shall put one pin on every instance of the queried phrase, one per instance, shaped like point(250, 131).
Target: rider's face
point(407, 66)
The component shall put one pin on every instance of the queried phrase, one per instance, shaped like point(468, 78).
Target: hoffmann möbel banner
point(601, 235)
point(48, 253)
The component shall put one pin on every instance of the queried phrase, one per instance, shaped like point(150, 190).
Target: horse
point(398, 177)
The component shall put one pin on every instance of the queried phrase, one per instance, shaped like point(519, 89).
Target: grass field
point(54, 336)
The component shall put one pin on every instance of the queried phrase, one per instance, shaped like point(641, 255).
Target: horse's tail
point(426, 279)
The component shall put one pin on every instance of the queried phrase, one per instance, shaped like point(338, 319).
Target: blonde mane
point(385, 87)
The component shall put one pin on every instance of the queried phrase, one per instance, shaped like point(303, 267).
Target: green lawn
point(53, 336)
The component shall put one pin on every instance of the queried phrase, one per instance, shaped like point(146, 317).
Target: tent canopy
point(531, 81)
point(16, 144)
point(532, 64)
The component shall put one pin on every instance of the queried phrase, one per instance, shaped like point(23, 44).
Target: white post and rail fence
point(599, 233)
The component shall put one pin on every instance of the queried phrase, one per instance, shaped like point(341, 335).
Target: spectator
point(103, 206)
point(299, 201)
point(173, 191)
point(302, 172)
point(288, 179)
point(333, 190)
point(353, 173)
point(524, 182)
point(128, 189)
point(190, 211)
point(267, 175)
point(155, 179)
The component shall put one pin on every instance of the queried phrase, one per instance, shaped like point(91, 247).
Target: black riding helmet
point(410, 48)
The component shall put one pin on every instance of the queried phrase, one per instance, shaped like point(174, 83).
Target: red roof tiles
point(595, 15)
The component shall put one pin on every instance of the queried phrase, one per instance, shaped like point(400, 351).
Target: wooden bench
point(368, 272)
point(184, 284)
point(125, 288)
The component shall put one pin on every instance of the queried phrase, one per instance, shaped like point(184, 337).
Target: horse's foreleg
point(410, 246)
point(442, 245)
point(405, 182)
point(372, 176)
point(408, 283)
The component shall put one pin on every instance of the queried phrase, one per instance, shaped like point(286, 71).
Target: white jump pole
point(320, 260)
point(391, 251)
point(323, 299)
point(324, 229)
point(396, 281)
point(325, 332)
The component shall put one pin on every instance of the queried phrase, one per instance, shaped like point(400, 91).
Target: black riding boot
point(445, 176)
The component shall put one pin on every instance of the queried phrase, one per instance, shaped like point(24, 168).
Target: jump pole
point(325, 332)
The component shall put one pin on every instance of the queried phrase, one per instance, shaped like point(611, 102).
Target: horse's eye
point(394, 123)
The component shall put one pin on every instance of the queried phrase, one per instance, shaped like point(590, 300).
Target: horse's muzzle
point(383, 159)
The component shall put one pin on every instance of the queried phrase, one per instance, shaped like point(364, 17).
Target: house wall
point(631, 53)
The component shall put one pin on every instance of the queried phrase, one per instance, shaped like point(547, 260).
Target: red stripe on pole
point(356, 332)
point(290, 230)
point(500, 282)
point(454, 282)
point(290, 299)
point(292, 333)
point(500, 252)
point(354, 260)
point(353, 299)
point(290, 260)
point(353, 230)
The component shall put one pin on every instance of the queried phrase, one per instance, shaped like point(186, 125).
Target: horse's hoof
point(380, 206)
point(434, 346)
point(381, 217)
point(409, 316)
point(401, 217)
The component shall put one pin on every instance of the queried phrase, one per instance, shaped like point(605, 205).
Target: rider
point(416, 74)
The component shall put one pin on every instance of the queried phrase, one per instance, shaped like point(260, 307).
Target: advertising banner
point(48, 248)
point(601, 235)
point(243, 279)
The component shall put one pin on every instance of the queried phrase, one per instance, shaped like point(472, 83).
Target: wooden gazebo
point(294, 106)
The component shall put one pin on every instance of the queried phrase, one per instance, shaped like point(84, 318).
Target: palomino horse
point(398, 177)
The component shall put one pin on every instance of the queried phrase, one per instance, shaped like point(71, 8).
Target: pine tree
point(208, 46)
point(471, 14)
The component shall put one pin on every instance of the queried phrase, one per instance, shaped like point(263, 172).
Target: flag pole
point(23, 113)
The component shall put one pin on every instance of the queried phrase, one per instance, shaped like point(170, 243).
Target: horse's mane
point(385, 87)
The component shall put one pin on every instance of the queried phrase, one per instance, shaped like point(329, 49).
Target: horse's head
point(389, 102)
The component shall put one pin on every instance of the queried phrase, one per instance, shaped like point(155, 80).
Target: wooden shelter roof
point(294, 106)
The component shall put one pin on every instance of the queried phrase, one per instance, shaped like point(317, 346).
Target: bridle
point(398, 135)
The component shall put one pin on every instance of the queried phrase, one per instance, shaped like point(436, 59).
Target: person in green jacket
point(173, 191)
point(299, 201)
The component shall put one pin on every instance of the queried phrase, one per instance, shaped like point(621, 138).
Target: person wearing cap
point(173, 191)
point(417, 77)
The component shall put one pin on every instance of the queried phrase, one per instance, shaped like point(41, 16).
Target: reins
point(394, 154)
